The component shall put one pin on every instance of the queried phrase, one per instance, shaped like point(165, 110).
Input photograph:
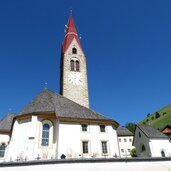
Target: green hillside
point(160, 118)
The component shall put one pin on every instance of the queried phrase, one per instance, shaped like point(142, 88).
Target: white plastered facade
point(125, 145)
point(64, 138)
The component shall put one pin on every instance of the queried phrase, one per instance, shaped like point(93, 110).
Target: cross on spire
point(71, 11)
point(46, 83)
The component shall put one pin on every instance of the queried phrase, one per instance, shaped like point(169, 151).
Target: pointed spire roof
point(70, 34)
point(71, 26)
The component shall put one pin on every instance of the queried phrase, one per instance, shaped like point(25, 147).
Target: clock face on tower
point(75, 78)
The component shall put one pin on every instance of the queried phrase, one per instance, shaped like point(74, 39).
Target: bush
point(133, 152)
point(157, 115)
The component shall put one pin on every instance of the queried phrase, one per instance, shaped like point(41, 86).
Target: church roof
point(48, 101)
point(70, 34)
point(6, 122)
point(123, 131)
point(151, 132)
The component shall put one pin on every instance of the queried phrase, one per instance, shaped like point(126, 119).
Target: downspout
point(57, 137)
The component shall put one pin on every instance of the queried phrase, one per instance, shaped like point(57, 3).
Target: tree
point(148, 114)
point(157, 115)
point(130, 126)
point(133, 152)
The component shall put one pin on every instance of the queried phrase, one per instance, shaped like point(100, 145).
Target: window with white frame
point(104, 147)
point(85, 148)
point(2, 150)
point(84, 127)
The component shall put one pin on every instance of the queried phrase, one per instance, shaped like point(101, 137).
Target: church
point(55, 126)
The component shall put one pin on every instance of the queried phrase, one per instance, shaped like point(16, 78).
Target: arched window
point(74, 50)
point(163, 154)
point(45, 134)
point(72, 65)
point(139, 134)
point(77, 66)
point(2, 150)
point(143, 148)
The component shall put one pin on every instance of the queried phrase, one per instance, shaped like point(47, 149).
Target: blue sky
point(127, 44)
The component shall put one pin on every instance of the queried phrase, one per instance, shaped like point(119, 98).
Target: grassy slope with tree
point(159, 119)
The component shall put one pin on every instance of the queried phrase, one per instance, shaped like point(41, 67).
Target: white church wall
point(45, 152)
point(4, 138)
point(71, 137)
point(26, 138)
point(158, 145)
point(18, 147)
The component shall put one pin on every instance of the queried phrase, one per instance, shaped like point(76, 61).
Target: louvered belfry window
point(75, 65)
point(72, 65)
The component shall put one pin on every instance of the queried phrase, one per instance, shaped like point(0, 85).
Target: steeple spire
point(70, 34)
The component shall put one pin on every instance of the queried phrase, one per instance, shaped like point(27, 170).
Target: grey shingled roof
point(48, 101)
point(151, 132)
point(6, 122)
point(123, 131)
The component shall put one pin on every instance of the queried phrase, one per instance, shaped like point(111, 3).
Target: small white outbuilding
point(125, 139)
point(150, 142)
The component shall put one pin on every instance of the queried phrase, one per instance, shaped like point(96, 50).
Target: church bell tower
point(73, 71)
